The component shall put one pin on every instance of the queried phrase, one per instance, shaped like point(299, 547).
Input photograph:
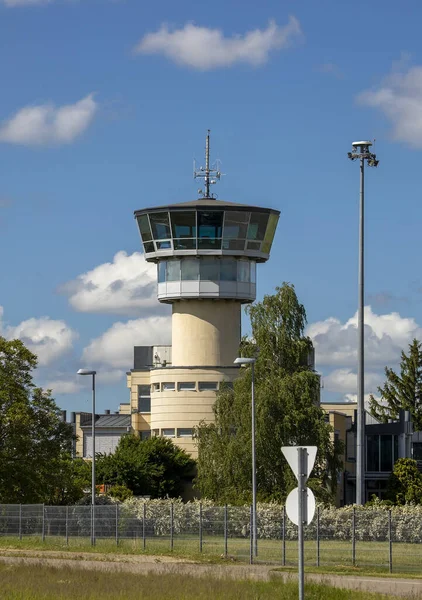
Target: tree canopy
point(154, 467)
point(405, 483)
point(402, 391)
point(287, 394)
point(35, 442)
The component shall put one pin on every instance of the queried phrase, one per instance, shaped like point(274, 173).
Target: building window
point(168, 433)
point(168, 386)
point(210, 269)
point(228, 269)
point(183, 224)
point(205, 386)
point(173, 270)
point(184, 432)
point(155, 387)
point(381, 452)
point(186, 386)
point(144, 228)
point(236, 225)
point(160, 225)
point(190, 269)
point(257, 226)
point(162, 271)
point(155, 432)
point(144, 399)
point(145, 435)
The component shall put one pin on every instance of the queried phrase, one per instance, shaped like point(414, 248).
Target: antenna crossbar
point(209, 175)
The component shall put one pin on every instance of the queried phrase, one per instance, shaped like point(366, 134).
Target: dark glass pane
point(269, 234)
point(185, 244)
point(253, 272)
point(173, 270)
point(183, 224)
point(210, 269)
point(228, 270)
point(190, 269)
point(145, 435)
point(164, 245)
point(149, 247)
point(417, 450)
point(386, 453)
point(235, 224)
point(253, 246)
point(210, 224)
point(244, 271)
point(257, 226)
point(160, 225)
point(372, 453)
point(209, 244)
point(144, 228)
point(162, 271)
point(144, 405)
point(234, 244)
point(396, 447)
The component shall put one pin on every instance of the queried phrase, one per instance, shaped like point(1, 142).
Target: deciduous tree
point(287, 411)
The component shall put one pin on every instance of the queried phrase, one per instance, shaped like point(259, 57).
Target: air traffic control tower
point(206, 252)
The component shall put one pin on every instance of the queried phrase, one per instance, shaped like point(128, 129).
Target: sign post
point(300, 503)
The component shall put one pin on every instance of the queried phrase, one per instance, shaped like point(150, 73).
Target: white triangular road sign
point(292, 456)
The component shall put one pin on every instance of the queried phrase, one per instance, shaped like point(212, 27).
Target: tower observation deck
point(206, 253)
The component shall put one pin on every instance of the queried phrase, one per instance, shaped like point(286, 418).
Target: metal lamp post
point(360, 150)
point(93, 373)
point(252, 361)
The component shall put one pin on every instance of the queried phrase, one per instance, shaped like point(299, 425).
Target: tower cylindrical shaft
point(205, 332)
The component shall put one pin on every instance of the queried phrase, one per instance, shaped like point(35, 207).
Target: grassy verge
point(45, 583)
point(335, 556)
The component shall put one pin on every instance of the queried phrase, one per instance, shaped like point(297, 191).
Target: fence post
point(117, 524)
point(171, 526)
point(20, 521)
point(200, 527)
point(43, 524)
point(92, 524)
point(284, 537)
point(225, 531)
point(251, 537)
point(317, 536)
point(390, 543)
point(144, 515)
point(67, 525)
point(353, 537)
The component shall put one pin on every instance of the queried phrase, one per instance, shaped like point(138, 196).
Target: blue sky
point(103, 105)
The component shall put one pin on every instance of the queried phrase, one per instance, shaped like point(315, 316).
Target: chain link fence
point(358, 537)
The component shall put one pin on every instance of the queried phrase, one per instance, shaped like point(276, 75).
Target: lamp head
point(244, 361)
point(86, 372)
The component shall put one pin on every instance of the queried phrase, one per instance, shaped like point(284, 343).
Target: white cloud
point(61, 386)
point(385, 336)
point(204, 48)
point(399, 97)
point(47, 338)
point(114, 348)
point(125, 286)
point(345, 381)
point(48, 124)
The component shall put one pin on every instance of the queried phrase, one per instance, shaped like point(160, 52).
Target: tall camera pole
point(360, 150)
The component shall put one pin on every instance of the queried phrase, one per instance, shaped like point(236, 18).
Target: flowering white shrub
point(371, 523)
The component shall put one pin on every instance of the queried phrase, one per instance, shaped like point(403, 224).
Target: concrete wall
point(205, 332)
point(174, 409)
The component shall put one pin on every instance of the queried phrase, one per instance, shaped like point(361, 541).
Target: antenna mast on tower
point(210, 176)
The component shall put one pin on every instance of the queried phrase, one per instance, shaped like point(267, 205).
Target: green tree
point(33, 436)
point(287, 411)
point(405, 483)
point(402, 391)
point(154, 467)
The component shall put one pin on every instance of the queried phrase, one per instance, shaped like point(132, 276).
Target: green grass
point(23, 582)
point(335, 556)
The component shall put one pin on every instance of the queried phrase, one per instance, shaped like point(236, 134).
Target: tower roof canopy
point(207, 227)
